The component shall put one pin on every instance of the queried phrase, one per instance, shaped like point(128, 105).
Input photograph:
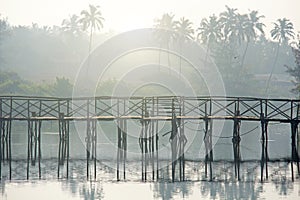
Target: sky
point(124, 15)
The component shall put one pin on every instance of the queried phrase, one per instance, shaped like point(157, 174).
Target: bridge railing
point(21, 108)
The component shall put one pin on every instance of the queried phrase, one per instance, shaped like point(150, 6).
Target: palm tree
point(240, 28)
point(209, 31)
point(92, 19)
point(253, 28)
point(164, 28)
point(283, 31)
point(184, 32)
point(227, 20)
point(71, 25)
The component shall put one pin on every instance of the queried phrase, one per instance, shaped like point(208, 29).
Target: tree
point(253, 28)
point(184, 32)
point(10, 83)
point(92, 19)
point(209, 32)
point(228, 20)
point(4, 30)
point(295, 71)
point(62, 87)
point(71, 25)
point(283, 31)
point(164, 28)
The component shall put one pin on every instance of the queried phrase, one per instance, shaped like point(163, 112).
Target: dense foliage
point(250, 60)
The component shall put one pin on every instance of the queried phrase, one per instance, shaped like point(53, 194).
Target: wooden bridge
point(149, 111)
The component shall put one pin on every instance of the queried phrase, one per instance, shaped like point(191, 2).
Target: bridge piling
point(236, 144)
point(63, 147)
point(34, 143)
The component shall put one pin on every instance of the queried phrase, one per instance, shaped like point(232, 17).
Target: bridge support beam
point(5, 144)
point(91, 147)
point(34, 151)
point(208, 147)
point(294, 154)
point(63, 148)
point(182, 141)
point(174, 145)
point(236, 139)
point(264, 147)
point(122, 147)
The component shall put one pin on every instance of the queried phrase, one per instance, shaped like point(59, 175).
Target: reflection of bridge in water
point(149, 111)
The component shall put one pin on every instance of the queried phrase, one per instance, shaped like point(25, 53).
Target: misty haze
point(149, 99)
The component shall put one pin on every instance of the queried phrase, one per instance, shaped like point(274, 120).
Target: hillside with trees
point(42, 60)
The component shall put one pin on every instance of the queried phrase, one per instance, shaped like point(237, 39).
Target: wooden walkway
point(149, 111)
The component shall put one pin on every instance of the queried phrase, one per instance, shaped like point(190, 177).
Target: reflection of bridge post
point(63, 148)
point(34, 142)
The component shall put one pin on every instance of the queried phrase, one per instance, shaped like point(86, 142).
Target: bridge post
point(124, 146)
point(1, 139)
point(145, 143)
point(63, 147)
point(34, 143)
point(5, 146)
point(263, 150)
point(208, 125)
point(5, 137)
point(295, 156)
point(236, 144)
point(141, 143)
point(91, 146)
point(122, 143)
point(294, 134)
point(298, 138)
point(182, 141)
point(94, 146)
point(142, 139)
point(156, 139)
point(151, 146)
point(174, 140)
point(2, 134)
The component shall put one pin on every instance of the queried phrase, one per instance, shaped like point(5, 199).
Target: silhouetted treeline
point(250, 59)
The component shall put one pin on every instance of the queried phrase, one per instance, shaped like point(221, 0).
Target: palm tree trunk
point(206, 55)
point(91, 37)
point(90, 48)
point(169, 60)
point(180, 50)
point(273, 67)
point(243, 60)
point(244, 55)
point(159, 53)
